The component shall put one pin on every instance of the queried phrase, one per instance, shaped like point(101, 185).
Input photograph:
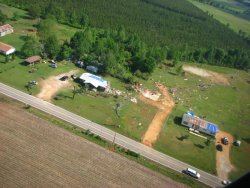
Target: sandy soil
point(223, 164)
point(212, 76)
point(52, 85)
point(165, 106)
point(35, 153)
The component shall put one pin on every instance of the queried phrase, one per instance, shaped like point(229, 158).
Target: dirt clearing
point(35, 153)
point(165, 106)
point(53, 84)
point(212, 76)
point(223, 164)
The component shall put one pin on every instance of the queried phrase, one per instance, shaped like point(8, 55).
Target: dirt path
point(223, 164)
point(53, 84)
point(165, 106)
point(212, 76)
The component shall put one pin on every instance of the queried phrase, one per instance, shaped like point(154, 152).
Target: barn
point(192, 121)
point(6, 49)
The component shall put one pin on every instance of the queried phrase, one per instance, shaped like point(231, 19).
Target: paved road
point(107, 134)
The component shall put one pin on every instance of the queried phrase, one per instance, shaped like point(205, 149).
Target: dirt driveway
point(212, 76)
point(165, 106)
point(53, 84)
point(223, 164)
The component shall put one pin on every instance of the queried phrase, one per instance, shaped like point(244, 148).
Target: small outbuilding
point(33, 59)
point(6, 49)
point(95, 81)
point(6, 29)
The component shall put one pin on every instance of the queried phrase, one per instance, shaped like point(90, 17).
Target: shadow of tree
point(199, 146)
point(182, 137)
point(247, 140)
point(177, 120)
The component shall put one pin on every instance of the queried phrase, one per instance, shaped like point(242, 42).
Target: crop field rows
point(35, 153)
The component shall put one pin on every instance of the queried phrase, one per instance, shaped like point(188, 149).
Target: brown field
point(35, 153)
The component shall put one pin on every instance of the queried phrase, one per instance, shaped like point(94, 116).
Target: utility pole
point(114, 139)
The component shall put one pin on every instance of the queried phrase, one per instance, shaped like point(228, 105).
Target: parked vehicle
point(225, 182)
point(192, 173)
point(219, 147)
point(73, 76)
point(33, 82)
point(64, 78)
point(224, 141)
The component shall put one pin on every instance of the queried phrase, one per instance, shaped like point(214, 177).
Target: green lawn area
point(234, 22)
point(102, 110)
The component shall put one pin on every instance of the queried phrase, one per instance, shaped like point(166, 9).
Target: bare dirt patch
point(53, 84)
point(212, 76)
point(223, 164)
point(35, 153)
point(165, 106)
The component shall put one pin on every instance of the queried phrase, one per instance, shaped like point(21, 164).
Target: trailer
point(196, 123)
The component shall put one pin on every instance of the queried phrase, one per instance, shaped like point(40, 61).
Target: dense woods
point(132, 37)
point(158, 22)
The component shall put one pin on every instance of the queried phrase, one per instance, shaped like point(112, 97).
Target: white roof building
point(94, 80)
point(6, 49)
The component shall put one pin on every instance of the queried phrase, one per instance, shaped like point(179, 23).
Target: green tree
point(15, 16)
point(31, 47)
point(35, 10)
point(46, 28)
point(65, 51)
point(52, 47)
point(3, 17)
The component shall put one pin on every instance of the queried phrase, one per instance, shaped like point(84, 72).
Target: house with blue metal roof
point(194, 122)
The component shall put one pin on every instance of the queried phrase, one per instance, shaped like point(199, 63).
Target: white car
point(192, 173)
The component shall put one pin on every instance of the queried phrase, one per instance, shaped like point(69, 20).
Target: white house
point(94, 80)
point(6, 49)
point(6, 29)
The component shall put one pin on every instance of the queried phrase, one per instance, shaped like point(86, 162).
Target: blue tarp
point(212, 128)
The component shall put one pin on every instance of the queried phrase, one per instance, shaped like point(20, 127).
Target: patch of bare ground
point(35, 153)
point(53, 84)
point(223, 164)
point(212, 76)
point(165, 106)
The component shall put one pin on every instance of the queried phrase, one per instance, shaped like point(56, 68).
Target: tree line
point(121, 54)
point(157, 22)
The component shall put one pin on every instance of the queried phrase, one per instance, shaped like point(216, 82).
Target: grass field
point(234, 22)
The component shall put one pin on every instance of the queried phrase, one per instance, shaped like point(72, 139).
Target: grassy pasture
point(234, 22)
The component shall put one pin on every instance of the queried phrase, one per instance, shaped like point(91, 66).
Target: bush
point(134, 154)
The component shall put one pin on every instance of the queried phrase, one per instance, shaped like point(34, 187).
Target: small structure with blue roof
point(194, 122)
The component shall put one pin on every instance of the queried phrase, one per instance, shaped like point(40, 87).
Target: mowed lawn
point(234, 22)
